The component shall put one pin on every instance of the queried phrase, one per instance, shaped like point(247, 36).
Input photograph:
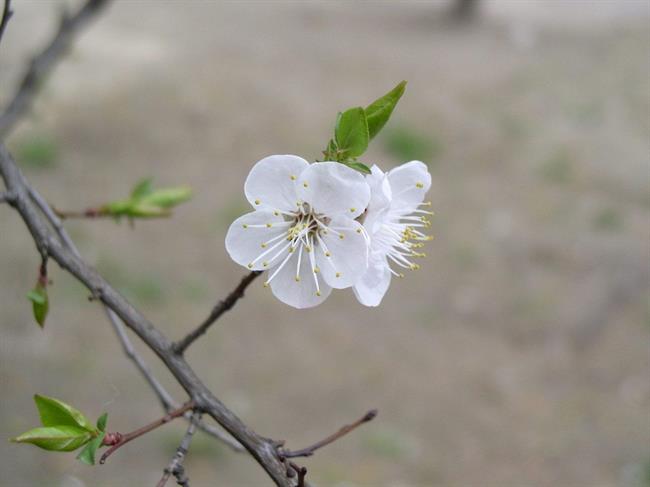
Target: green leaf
point(55, 438)
point(143, 210)
point(142, 188)
point(87, 455)
point(101, 422)
point(36, 296)
point(40, 303)
point(57, 413)
point(358, 166)
point(351, 133)
point(380, 110)
point(168, 197)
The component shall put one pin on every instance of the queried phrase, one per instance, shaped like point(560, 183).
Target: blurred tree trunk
point(464, 10)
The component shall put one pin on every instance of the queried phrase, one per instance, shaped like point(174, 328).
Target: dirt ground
point(517, 356)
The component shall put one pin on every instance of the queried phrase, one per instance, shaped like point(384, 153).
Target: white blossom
point(303, 229)
point(395, 222)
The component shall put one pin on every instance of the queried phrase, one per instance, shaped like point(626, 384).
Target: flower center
point(305, 232)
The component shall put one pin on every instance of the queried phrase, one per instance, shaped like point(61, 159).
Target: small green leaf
point(101, 422)
point(57, 413)
point(87, 455)
point(358, 166)
point(351, 133)
point(35, 296)
point(380, 110)
point(40, 303)
point(142, 188)
point(168, 197)
point(55, 438)
point(143, 210)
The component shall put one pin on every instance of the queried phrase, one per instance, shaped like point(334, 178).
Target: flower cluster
point(321, 226)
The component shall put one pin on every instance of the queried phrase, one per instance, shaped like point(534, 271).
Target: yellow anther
point(341, 236)
point(250, 266)
point(269, 225)
point(401, 276)
point(263, 245)
point(308, 248)
point(265, 264)
point(276, 213)
point(352, 210)
point(245, 226)
point(297, 278)
point(298, 203)
point(316, 270)
point(291, 249)
point(419, 185)
point(257, 202)
point(266, 284)
point(305, 184)
point(358, 230)
point(327, 254)
point(414, 267)
point(317, 293)
point(293, 178)
point(338, 274)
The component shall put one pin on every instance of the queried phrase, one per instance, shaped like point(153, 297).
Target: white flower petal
point(334, 189)
point(409, 184)
point(247, 235)
point(342, 261)
point(380, 199)
point(301, 293)
point(372, 287)
point(271, 184)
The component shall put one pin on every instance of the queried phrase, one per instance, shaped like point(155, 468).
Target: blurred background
point(517, 355)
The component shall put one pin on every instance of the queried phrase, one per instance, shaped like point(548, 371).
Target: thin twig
point(221, 307)
point(7, 197)
point(6, 15)
point(166, 400)
point(43, 63)
point(124, 439)
point(175, 466)
point(309, 451)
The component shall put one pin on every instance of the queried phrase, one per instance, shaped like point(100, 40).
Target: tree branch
point(262, 449)
point(124, 439)
point(166, 400)
point(6, 197)
point(175, 466)
point(42, 64)
point(6, 15)
point(221, 307)
point(309, 451)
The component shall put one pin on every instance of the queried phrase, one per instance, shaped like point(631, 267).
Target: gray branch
point(262, 449)
point(43, 63)
point(175, 466)
point(166, 400)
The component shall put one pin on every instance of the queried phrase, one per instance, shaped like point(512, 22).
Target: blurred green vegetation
point(37, 151)
point(385, 443)
point(608, 220)
point(407, 144)
point(558, 167)
point(143, 288)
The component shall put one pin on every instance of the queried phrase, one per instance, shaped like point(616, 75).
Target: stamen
point(257, 202)
point(279, 268)
point(298, 265)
